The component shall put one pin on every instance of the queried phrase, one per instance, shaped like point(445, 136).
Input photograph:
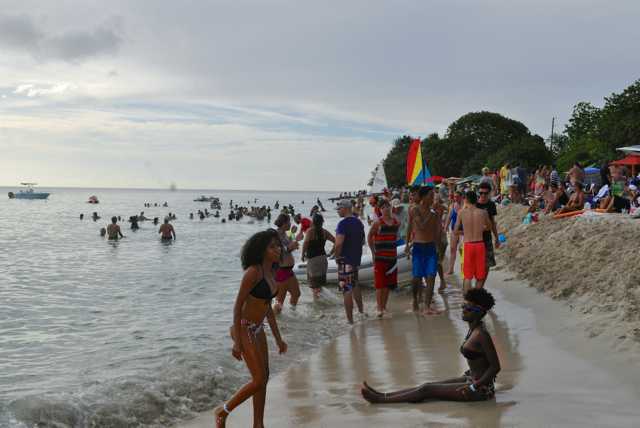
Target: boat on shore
point(366, 271)
point(30, 193)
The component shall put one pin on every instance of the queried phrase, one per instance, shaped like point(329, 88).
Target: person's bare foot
point(386, 312)
point(429, 311)
point(367, 387)
point(448, 273)
point(416, 307)
point(420, 299)
point(277, 308)
point(380, 314)
point(442, 287)
point(220, 416)
point(368, 395)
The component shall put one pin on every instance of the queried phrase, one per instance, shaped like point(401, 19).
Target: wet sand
point(552, 373)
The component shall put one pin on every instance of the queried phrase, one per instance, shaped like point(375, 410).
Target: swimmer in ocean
point(103, 231)
point(167, 230)
point(113, 229)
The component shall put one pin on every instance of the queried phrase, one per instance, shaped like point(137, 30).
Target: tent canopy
point(594, 165)
point(629, 160)
point(436, 178)
point(631, 150)
point(471, 178)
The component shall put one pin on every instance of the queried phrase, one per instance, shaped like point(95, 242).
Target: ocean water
point(133, 332)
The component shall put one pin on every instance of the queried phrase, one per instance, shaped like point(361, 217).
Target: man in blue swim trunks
point(424, 236)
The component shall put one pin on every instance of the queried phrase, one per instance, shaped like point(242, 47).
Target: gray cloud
point(19, 32)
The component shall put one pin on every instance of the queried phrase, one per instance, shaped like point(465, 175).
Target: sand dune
point(592, 262)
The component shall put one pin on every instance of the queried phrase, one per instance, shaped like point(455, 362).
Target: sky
point(284, 95)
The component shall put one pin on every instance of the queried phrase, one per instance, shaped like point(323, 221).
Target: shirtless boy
point(576, 174)
point(617, 181)
point(427, 247)
point(474, 255)
point(167, 230)
point(113, 230)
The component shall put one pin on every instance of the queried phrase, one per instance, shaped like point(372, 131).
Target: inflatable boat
point(365, 273)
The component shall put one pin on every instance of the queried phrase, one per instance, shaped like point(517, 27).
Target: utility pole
point(553, 121)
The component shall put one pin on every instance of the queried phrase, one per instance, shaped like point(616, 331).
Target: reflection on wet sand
point(540, 383)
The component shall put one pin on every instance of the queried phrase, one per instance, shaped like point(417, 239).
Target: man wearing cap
point(348, 250)
point(399, 213)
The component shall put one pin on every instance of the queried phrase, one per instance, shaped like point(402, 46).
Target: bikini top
point(468, 353)
point(262, 290)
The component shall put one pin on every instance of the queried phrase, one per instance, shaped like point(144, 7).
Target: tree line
point(489, 139)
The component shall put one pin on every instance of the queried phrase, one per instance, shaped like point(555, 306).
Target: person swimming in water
point(114, 230)
point(167, 230)
point(477, 384)
point(260, 257)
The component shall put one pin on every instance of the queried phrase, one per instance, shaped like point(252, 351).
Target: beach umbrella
point(471, 178)
point(631, 150)
point(436, 178)
point(632, 160)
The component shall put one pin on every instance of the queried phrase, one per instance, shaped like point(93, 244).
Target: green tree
point(476, 136)
point(531, 151)
point(595, 134)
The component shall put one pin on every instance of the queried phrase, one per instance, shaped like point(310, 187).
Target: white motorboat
point(29, 193)
point(365, 273)
point(203, 198)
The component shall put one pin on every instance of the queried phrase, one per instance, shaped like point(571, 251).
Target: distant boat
point(380, 181)
point(29, 193)
point(203, 198)
point(93, 200)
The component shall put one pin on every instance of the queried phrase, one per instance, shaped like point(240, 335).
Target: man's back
point(113, 230)
point(522, 175)
point(473, 221)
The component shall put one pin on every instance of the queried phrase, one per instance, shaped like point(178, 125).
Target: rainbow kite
point(416, 174)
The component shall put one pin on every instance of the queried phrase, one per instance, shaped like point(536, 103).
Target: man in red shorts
point(382, 240)
point(474, 255)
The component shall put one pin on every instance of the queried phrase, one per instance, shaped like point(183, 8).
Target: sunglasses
point(484, 193)
point(468, 308)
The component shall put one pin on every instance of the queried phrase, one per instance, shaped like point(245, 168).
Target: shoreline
point(547, 363)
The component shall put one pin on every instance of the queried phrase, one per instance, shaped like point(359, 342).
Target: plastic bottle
point(587, 206)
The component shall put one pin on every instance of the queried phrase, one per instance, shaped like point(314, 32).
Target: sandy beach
point(552, 373)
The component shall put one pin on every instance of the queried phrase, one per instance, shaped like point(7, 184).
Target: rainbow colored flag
point(416, 173)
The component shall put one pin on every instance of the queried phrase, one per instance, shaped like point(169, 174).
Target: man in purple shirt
point(348, 250)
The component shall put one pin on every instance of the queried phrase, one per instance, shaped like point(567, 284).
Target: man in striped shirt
point(382, 240)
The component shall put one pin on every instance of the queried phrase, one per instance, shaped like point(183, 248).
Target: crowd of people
point(413, 219)
point(551, 192)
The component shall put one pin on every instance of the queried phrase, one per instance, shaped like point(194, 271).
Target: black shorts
point(491, 257)
point(522, 189)
point(621, 203)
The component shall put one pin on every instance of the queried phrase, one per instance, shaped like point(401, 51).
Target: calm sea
point(132, 332)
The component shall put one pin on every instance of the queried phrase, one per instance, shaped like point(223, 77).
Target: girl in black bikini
point(260, 257)
point(477, 348)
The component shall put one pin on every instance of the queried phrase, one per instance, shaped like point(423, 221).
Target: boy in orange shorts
point(474, 221)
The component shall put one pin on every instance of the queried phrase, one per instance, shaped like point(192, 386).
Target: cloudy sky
point(289, 95)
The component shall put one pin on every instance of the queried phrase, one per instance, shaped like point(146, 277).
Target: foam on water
point(134, 332)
